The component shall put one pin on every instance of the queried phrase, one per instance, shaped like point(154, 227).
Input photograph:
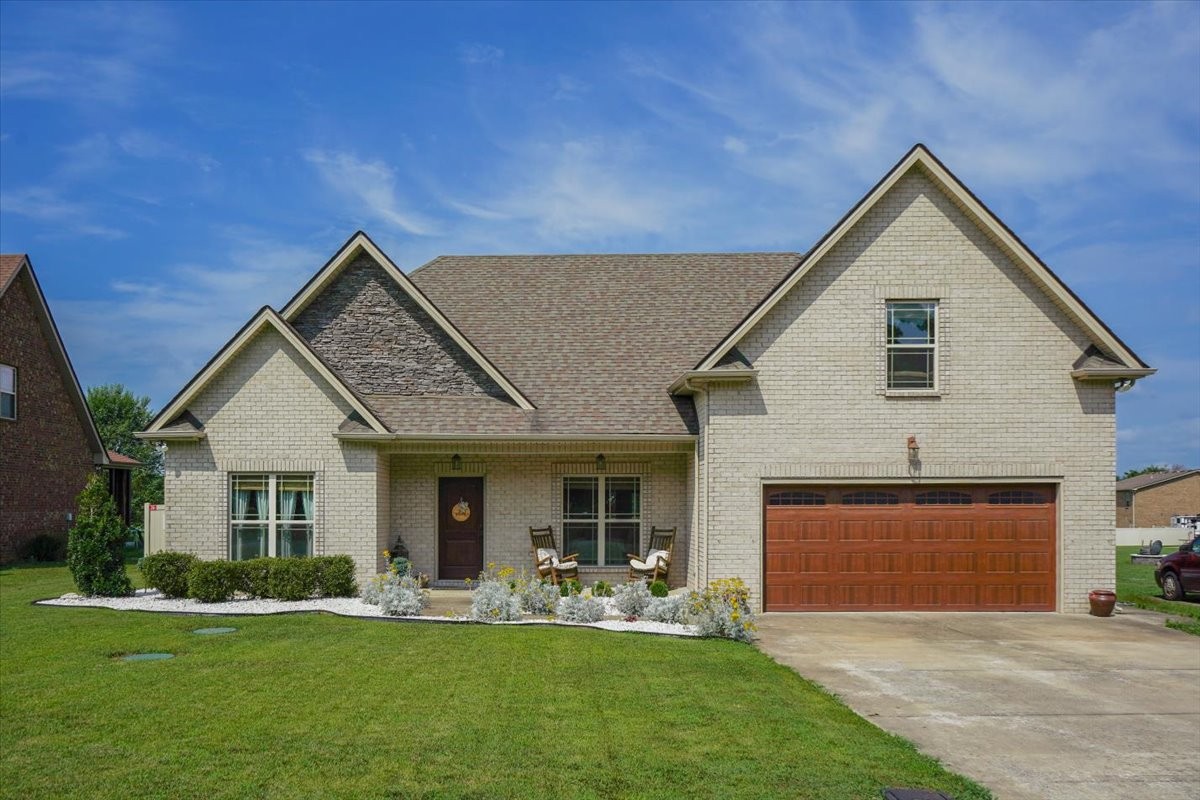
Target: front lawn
point(323, 706)
point(1135, 584)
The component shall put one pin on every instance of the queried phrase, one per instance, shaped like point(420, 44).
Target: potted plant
point(1102, 602)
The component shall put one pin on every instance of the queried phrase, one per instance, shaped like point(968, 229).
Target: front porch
point(458, 505)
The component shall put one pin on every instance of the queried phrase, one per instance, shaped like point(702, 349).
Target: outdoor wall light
point(600, 463)
point(456, 462)
point(914, 449)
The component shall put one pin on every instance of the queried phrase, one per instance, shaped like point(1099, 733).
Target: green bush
point(569, 587)
point(293, 578)
point(335, 576)
point(168, 572)
point(44, 547)
point(659, 589)
point(601, 589)
point(213, 581)
point(96, 544)
point(255, 576)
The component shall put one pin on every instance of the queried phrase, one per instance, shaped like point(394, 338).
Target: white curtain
point(306, 504)
point(287, 503)
point(241, 503)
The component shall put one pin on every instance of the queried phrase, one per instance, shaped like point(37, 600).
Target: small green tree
point(95, 545)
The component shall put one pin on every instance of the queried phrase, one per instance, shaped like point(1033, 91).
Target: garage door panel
point(962, 548)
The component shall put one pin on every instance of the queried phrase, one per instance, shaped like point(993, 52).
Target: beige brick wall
point(1008, 407)
point(1155, 505)
point(523, 490)
point(269, 411)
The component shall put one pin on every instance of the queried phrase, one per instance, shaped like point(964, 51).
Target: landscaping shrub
point(538, 596)
point(44, 547)
point(666, 609)
point(632, 598)
point(601, 589)
point(292, 578)
point(577, 608)
point(397, 594)
point(659, 589)
point(723, 609)
point(254, 576)
point(335, 576)
point(402, 565)
point(494, 597)
point(213, 581)
point(96, 544)
point(569, 587)
point(168, 572)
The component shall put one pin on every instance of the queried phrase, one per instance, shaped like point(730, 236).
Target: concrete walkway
point(1033, 706)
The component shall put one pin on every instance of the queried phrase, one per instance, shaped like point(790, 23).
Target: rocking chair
point(656, 566)
point(546, 559)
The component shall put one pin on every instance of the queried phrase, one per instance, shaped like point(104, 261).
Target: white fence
point(154, 527)
point(1139, 536)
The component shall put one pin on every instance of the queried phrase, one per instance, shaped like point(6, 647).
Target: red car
point(1179, 573)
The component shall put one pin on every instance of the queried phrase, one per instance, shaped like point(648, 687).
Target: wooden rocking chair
point(546, 559)
point(656, 566)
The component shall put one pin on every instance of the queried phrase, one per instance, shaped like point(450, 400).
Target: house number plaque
point(461, 511)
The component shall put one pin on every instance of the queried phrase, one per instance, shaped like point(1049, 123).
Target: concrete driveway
point(1033, 706)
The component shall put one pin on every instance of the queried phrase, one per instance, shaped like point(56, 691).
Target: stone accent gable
point(382, 342)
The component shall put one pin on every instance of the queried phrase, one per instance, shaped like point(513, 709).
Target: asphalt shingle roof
point(1151, 479)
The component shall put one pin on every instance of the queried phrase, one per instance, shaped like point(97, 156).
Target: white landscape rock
point(152, 600)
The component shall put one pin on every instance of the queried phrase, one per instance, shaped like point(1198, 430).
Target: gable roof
point(1153, 479)
point(920, 157)
point(12, 267)
point(175, 421)
point(595, 340)
point(359, 243)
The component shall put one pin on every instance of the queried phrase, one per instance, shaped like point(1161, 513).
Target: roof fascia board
point(1111, 373)
point(361, 242)
point(171, 436)
point(67, 371)
point(1164, 480)
point(920, 155)
point(266, 316)
point(520, 437)
point(694, 379)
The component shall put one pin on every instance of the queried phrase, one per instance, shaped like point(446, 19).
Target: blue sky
point(171, 168)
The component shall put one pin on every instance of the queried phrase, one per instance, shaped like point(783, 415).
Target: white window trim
point(601, 519)
point(935, 368)
point(272, 521)
point(14, 391)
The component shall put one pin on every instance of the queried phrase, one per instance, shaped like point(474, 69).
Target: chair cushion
point(565, 564)
point(547, 552)
point(655, 558)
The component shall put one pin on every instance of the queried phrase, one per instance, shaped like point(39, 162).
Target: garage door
point(930, 548)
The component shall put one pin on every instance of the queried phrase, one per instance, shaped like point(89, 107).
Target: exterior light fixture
point(914, 449)
point(456, 462)
point(601, 465)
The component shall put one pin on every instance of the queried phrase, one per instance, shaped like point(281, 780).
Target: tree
point(119, 414)
point(96, 543)
point(1153, 468)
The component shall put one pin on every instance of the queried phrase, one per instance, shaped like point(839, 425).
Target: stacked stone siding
point(523, 489)
point(382, 342)
point(1154, 506)
point(1007, 407)
point(45, 456)
point(270, 411)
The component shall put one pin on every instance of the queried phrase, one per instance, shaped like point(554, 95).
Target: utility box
point(154, 528)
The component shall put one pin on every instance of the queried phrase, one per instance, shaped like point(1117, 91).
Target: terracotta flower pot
point(1102, 602)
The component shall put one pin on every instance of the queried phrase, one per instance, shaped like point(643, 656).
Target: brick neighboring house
point(48, 441)
point(1149, 501)
point(915, 414)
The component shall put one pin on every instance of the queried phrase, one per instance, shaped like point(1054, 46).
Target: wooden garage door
point(928, 548)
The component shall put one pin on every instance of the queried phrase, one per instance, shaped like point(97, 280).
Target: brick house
point(915, 414)
point(1149, 501)
point(49, 444)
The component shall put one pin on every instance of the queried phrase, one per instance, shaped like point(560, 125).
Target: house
point(49, 444)
point(914, 414)
point(1150, 500)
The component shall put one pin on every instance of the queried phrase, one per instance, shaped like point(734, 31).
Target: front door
point(460, 528)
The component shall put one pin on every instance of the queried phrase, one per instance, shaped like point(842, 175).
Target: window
point(1126, 499)
point(943, 498)
point(796, 499)
point(1016, 498)
point(270, 515)
point(870, 499)
point(602, 518)
point(912, 345)
point(8, 392)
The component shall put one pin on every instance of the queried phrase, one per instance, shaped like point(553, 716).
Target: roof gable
point(265, 318)
point(1145, 481)
point(15, 268)
point(919, 157)
point(361, 243)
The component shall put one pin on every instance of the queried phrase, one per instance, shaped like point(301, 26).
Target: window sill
point(912, 393)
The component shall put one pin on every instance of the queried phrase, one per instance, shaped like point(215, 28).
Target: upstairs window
point(912, 344)
point(8, 392)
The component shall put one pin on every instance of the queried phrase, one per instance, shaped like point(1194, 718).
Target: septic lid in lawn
point(213, 631)
point(147, 656)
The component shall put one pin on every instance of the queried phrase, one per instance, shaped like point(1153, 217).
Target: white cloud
point(46, 205)
point(372, 184)
point(735, 145)
point(147, 145)
point(479, 53)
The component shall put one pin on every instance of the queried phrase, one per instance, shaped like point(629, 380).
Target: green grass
point(322, 706)
point(1135, 584)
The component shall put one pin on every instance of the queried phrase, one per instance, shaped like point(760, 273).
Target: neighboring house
point(48, 440)
point(1150, 500)
point(916, 414)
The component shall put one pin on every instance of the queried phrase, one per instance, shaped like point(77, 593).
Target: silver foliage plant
point(666, 609)
point(537, 596)
point(495, 601)
point(397, 595)
point(632, 598)
point(578, 608)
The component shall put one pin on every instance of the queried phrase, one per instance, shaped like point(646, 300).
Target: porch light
point(601, 465)
point(456, 462)
point(914, 449)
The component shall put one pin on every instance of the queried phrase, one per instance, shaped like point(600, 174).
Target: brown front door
point(926, 548)
point(460, 528)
